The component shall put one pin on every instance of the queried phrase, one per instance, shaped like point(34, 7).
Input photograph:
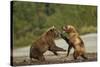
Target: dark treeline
point(30, 19)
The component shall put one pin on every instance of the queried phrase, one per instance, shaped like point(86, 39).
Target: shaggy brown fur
point(75, 42)
point(44, 43)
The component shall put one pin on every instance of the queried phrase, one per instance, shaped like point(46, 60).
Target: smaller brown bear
point(44, 43)
point(74, 41)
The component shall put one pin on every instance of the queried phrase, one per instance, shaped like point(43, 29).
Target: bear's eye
point(66, 27)
point(52, 30)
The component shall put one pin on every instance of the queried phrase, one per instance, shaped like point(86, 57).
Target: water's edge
point(90, 41)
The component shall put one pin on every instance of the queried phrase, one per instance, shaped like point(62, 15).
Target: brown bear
point(44, 43)
point(74, 41)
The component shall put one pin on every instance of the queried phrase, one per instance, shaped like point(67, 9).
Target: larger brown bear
point(44, 43)
point(74, 41)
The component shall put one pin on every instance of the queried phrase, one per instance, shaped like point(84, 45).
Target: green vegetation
point(30, 19)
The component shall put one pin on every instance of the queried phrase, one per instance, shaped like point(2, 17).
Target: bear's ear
point(63, 28)
point(53, 26)
point(68, 26)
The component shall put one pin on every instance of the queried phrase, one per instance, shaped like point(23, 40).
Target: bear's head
point(53, 32)
point(69, 29)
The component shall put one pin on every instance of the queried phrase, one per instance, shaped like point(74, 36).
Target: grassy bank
point(30, 19)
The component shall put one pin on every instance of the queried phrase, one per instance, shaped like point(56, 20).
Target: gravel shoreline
point(52, 59)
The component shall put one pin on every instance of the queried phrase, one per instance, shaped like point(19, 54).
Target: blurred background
point(31, 19)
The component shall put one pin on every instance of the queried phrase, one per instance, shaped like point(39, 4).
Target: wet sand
point(53, 59)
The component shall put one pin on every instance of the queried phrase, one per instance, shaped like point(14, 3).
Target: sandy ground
point(21, 55)
point(52, 59)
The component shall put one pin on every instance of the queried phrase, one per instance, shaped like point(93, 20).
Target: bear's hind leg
point(41, 58)
point(75, 55)
point(83, 56)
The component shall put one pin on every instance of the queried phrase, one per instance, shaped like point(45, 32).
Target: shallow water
point(90, 41)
